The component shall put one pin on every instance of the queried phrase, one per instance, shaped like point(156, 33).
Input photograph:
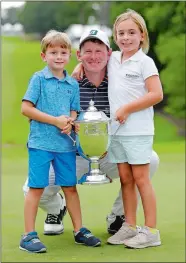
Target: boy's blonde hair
point(140, 22)
point(55, 38)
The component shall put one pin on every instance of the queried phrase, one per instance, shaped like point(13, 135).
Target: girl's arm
point(154, 96)
point(28, 109)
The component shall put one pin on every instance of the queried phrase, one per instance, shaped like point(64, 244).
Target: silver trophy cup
point(93, 137)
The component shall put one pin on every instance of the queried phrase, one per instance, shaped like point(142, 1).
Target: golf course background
point(20, 59)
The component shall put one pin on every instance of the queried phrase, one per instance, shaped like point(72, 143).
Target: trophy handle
point(103, 155)
point(74, 141)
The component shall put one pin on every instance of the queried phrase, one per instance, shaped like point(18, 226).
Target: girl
point(134, 87)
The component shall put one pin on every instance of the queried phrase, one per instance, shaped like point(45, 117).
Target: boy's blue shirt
point(54, 97)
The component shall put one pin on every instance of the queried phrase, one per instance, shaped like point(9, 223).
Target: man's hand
point(122, 114)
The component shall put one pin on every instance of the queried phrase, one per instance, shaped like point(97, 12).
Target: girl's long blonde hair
point(140, 22)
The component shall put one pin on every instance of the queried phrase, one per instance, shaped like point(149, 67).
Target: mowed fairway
point(20, 60)
point(96, 201)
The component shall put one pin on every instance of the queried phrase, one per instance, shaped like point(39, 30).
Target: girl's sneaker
point(31, 243)
point(125, 232)
point(85, 237)
point(145, 238)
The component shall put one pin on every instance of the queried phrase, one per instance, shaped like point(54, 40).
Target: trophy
point(93, 138)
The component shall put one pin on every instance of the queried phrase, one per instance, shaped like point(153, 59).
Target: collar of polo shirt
point(136, 57)
point(48, 75)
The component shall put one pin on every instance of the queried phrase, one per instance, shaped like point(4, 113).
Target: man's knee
point(154, 163)
point(82, 166)
point(51, 190)
point(109, 168)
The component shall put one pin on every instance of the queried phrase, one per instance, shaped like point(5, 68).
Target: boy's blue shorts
point(64, 165)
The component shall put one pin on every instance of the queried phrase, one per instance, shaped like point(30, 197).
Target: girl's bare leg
point(128, 192)
point(142, 180)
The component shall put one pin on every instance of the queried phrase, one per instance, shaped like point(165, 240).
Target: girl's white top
point(126, 83)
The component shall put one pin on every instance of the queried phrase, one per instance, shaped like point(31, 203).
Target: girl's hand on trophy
point(121, 115)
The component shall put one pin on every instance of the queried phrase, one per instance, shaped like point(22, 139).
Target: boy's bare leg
point(30, 241)
point(81, 234)
point(73, 206)
point(30, 208)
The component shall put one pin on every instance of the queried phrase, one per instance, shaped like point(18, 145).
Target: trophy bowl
point(93, 138)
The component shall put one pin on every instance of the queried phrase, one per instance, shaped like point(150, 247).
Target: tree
point(170, 49)
point(166, 25)
point(39, 17)
point(11, 16)
point(165, 22)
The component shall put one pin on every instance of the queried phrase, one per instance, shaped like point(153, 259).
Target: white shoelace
point(52, 218)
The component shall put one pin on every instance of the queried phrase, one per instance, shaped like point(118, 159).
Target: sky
point(6, 4)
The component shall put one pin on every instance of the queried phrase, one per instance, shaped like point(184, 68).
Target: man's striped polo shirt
point(99, 95)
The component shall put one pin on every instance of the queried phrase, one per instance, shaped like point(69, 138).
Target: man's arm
point(28, 109)
point(78, 71)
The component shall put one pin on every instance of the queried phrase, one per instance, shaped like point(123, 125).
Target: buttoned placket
point(94, 88)
point(94, 93)
point(59, 84)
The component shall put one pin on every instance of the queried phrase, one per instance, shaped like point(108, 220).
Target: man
point(94, 52)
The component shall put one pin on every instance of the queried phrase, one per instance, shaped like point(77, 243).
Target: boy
point(51, 103)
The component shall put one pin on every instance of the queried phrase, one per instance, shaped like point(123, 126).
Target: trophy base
point(97, 179)
point(96, 176)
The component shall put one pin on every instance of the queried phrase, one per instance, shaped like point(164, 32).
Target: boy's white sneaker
point(125, 232)
point(145, 238)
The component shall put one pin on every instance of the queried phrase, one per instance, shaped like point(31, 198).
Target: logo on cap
point(93, 32)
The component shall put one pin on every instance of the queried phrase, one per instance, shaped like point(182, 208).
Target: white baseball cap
point(95, 34)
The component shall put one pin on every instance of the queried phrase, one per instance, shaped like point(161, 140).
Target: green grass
point(19, 60)
point(165, 131)
point(96, 201)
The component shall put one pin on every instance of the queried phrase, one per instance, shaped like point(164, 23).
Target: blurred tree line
point(165, 22)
